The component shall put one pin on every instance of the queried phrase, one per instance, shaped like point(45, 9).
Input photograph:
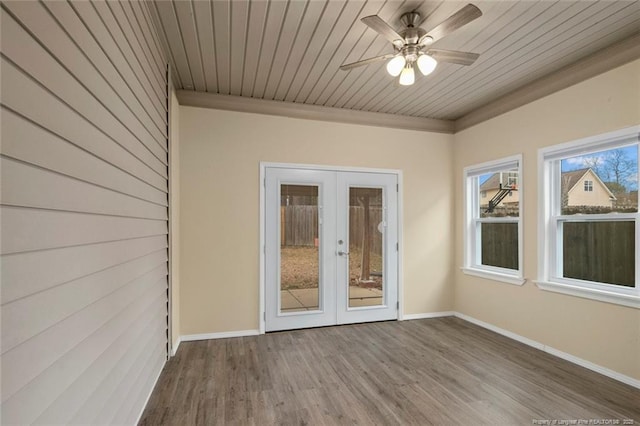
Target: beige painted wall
point(174, 192)
point(220, 154)
point(603, 333)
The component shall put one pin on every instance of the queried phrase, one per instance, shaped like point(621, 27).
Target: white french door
point(331, 247)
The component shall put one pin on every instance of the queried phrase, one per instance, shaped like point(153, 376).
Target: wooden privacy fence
point(600, 251)
point(500, 245)
point(592, 251)
point(299, 226)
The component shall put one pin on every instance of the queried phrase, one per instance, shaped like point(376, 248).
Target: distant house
point(497, 182)
point(583, 187)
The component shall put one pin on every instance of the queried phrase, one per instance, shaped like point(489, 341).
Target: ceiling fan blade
point(378, 25)
point(453, 22)
point(346, 67)
point(453, 56)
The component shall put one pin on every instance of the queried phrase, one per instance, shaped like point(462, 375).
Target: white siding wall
point(84, 211)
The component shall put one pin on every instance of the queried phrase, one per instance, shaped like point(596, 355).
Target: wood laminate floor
point(441, 371)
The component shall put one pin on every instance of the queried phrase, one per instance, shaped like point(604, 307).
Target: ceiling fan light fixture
point(426, 64)
point(396, 65)
point(426, 40)
point(408, 75)
point(411, 44)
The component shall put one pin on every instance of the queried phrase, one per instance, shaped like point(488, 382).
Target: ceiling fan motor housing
point(412, 33)
point(411, 52)
point(410, 19)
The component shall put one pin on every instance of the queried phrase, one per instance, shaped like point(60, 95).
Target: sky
point(574, 163)
point(630, 153)
point(483, 178)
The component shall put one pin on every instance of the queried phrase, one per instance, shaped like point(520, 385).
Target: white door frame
point(262, 248)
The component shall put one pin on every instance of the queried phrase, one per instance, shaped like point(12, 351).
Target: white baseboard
point(594, 367)
point(175, 346)
point(406, 317)
point(221, 335)
point(568, 357)
point(502, 331)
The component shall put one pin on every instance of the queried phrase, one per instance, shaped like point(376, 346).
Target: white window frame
point(588, 186)
point(550, 220)
point(472, 221)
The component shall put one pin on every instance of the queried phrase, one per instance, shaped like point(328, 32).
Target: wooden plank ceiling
point(291, 50)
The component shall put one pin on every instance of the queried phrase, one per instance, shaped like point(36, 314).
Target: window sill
point(495, 276)
point(589, 293)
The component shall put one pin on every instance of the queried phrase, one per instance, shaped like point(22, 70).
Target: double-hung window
point(589, 234)
point(493, 216)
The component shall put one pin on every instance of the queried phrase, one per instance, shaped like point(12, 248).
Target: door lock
point(343, 253)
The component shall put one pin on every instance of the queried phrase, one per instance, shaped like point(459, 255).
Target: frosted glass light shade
point(395, 65)
point(407, 76)
point(426, 64)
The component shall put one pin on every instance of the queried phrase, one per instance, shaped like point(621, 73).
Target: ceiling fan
point(412, 44)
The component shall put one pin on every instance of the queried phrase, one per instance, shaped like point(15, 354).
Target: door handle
point(343, 253)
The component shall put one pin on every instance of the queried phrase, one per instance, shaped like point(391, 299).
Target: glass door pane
point(367, 255)
point(299, 252)
point(299, 243)
point(366, 240)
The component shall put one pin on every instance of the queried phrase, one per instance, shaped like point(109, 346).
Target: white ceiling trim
point(312, 112)
point(605, 60)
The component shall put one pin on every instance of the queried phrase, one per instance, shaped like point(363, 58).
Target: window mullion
point(506, 219)
point(597, 217)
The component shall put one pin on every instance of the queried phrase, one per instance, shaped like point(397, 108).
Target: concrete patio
point(306, 299)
